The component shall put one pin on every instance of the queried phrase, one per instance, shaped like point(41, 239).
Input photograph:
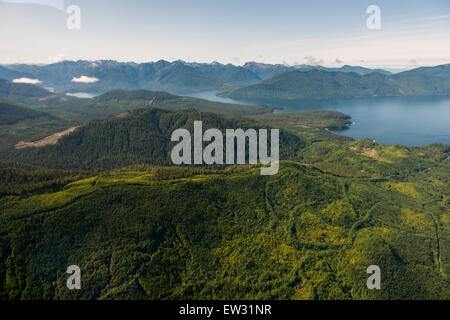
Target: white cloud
point(313, 61)
point(85, 79)
point(27, 80)
point(236, 60)
point(58, 58)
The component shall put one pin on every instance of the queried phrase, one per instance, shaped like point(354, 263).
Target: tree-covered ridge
point(135, 95)
point(140, 137)
point(176, 76)
point(30, 119)
point(9, 74)
point(166, 233)
point(21, 179)
point(331, 120)
point(442, 71)
point(11, 113)
point(150, 231)
point(318, 84)
point(62, 113)
point(184, 77)
point(121, 101)
point(20, 123)
point(11, 89)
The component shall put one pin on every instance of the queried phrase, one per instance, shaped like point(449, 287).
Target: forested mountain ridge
point(11, 113)
point(318, 84)
point(193, 233)
point(148, 230)
point(8, 74)
point(20, 123)
point(309, 232)
point(266, 71)
point(176, 76)
point(129, 100)
point(117, 102)
point(184, 77)
point(8, 88)
point(442, 71)
point(139, 137)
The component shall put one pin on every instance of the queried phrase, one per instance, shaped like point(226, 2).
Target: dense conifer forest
point(106, 198)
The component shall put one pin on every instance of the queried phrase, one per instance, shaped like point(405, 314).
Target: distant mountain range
point(442, 71)
point(321, 84)
point(175, 77)
point(266, 71)
point(251, 81)
point(9, 74)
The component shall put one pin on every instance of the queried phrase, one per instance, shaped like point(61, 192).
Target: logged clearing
point(370, 152)
point(50, 140)
point(123, 115)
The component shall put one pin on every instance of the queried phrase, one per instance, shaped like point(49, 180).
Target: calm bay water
point(410, 121)
point(83, 95)
point(211, 95)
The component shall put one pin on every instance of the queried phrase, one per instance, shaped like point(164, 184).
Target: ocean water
point(408, 120)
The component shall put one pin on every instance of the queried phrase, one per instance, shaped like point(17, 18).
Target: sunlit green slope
point(171, 233)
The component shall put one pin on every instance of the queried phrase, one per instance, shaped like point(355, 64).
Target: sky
point(330, 33)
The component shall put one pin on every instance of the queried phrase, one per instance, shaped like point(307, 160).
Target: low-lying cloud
point(313, 61)
point(85, 79)
point(27, 80)
point(58, 58)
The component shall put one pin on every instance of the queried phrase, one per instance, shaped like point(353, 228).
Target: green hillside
point(331, 120)
point(8, 89)
point(8, 74)
point(179, 233)
point(121, 101)
point(62, 113)
point(105, 198)
point(140, 137)
point(19, 123)
point(10, 113)
point(318, 84)
point(418, 83)
point(442, 71)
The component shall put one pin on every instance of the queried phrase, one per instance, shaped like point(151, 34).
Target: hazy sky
point(413, 32)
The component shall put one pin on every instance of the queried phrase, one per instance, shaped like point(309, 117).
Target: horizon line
point(371, 66)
